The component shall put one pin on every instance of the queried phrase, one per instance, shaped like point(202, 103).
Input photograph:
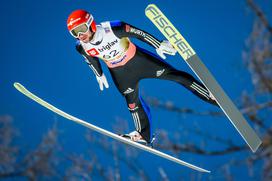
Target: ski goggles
point(81, 29)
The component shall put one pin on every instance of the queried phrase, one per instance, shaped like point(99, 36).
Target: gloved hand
point(102, 81)
point(167, 48)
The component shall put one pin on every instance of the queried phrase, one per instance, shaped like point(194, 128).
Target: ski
point(202, 72)
point(35, 98)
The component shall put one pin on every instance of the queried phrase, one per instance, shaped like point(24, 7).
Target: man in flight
point(110, 42)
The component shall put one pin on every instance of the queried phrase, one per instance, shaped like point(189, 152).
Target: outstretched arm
point(122, 29)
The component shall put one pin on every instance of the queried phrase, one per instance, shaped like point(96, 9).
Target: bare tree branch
point(259, 13)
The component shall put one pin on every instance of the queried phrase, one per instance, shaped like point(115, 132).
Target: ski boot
point(136, 137)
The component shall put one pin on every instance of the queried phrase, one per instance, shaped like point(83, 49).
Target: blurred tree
point(37, 164)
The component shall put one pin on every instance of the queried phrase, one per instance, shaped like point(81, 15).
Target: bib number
point(112, 54)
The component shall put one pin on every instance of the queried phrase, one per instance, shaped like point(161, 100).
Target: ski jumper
point(128, 64)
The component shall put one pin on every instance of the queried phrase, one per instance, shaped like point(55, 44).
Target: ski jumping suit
point(128, 64)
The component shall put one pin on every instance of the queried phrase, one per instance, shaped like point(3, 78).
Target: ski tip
point(17, 85)
point(150, 6)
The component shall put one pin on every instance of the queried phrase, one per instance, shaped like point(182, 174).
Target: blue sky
point(38, 51)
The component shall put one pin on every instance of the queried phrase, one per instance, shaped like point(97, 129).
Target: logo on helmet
point(72, 21)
